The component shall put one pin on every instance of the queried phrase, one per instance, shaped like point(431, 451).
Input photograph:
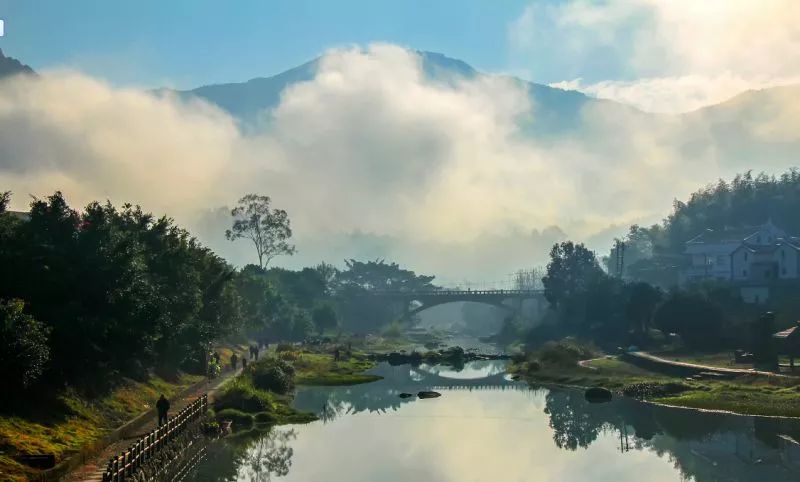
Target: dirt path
point(92, 470)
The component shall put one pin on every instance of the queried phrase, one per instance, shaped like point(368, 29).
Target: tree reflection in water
point(702, 446)
point(268, 455)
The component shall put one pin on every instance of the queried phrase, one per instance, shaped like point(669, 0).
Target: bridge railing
point(458, 292)
point(125, 464)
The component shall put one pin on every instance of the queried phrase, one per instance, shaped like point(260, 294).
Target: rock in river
point(597, 395)
point(425, 394)
point(406, 395)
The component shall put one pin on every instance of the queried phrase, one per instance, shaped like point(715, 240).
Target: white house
point(753, 256)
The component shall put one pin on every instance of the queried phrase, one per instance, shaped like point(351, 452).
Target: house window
point(745, 255)
point(783, 254)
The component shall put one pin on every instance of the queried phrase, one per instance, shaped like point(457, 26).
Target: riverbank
point(262, 395)
point(70, 423)
point(741, 394)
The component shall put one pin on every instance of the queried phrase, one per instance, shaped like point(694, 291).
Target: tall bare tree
point(268, 229)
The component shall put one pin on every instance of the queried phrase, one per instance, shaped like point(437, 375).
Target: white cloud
point(672, 95)
point(666, 55)
point(439, 174)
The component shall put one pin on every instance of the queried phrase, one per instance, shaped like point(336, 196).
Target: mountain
point(749, 130)
point(556, 109)
point(754, 130)
point(11, 66)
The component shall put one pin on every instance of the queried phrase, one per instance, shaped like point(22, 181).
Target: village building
point(753, 257)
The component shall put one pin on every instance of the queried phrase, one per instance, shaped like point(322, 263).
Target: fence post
point(126, 466)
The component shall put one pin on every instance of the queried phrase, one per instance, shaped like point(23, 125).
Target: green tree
point(23, 345)
point(572, 269)
point(642, 301)
point(691, 315)
point(5, 199)
point(324, 317)
point(268, 229)
point(357, 286)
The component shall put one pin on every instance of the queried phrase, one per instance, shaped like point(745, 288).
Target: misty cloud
point(370, 158)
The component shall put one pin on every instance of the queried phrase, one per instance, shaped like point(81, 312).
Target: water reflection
point(255, 455)
point(486, 427)
point(383, 396)
point(703, 446)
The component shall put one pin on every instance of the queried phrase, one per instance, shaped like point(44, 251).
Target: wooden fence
point(125, 464)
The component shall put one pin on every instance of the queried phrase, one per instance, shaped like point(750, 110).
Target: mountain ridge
point(11, 66)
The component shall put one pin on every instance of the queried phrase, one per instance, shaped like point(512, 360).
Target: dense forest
point(113, 291)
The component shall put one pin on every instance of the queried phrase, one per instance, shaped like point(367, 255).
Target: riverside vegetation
point(261, 396)
point(558, 363)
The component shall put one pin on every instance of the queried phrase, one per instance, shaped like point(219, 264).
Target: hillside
point(557, 110)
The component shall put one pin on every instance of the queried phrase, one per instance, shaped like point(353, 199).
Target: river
point(486, 427)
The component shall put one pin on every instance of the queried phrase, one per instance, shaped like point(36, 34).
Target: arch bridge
point(431, 298)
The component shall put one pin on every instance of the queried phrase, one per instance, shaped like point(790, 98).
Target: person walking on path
point(244, 363)
point(162, 406)
point(234, 361)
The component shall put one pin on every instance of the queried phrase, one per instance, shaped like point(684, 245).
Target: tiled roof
point(719, 236)
point(754, 248)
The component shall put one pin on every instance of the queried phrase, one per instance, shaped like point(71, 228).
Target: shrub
point(393, 330)
point(265, 418)
point(23, 345)
point(242, 395)
point(238, 417)
point(273, 374)
point(566, 352)
point(284, 347)
point(289, 355)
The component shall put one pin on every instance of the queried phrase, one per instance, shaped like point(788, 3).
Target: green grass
point(321, 369)
point(750, 395)
point(610, 373)
point(241, 396)
point(70, 422)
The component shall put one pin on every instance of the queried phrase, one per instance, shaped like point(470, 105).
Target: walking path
point(650, 360)
point(92, 470)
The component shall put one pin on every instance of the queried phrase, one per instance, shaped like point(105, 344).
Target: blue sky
point(189, 43)
point(659, 55)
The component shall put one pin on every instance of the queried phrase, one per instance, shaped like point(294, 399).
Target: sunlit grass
point(322, 369)
point(83, 423)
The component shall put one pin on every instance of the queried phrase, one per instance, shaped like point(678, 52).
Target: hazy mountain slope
point(755, 130)
point(555, 109)
point(11, 66)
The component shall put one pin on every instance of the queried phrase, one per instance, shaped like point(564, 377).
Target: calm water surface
point(486, 427)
